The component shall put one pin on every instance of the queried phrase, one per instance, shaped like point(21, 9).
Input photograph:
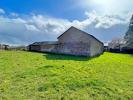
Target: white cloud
point(21, 30)
point(48, 24)
point(31, 28)
point(106, 21)
point(107, 6)
point(2, 11)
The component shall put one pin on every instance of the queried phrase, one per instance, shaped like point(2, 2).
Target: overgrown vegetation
point(36, 76)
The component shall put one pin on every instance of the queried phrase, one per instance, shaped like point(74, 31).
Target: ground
point(39, 76)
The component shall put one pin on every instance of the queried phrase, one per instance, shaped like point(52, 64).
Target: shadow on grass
point(50, 56)
point(131, 55)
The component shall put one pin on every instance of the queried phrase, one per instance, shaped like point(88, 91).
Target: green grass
point(38, 76)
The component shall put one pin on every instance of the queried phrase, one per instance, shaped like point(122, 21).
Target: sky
point(23, 22)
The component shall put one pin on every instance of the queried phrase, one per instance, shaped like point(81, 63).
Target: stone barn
point(73, 42)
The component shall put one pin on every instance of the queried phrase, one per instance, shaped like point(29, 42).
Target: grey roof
point(3, 45)
point(82, 32)
point(45, 42)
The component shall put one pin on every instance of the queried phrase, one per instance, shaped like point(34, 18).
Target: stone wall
point(34, 48)
point(73, 49)
point(92, 48)
point(96, 48)
point(75, 37)
point(47, 47)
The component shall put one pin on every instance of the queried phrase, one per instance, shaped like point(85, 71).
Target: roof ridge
point(81, 31)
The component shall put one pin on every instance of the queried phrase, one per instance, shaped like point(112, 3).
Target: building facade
point(73, 42)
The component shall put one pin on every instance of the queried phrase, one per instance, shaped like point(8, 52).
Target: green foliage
point(36, 76)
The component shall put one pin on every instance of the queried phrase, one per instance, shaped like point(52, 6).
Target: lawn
point(39, 76)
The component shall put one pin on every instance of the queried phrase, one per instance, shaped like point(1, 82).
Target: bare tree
point(116, 43)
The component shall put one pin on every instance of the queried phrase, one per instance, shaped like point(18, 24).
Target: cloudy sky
point(25, 21)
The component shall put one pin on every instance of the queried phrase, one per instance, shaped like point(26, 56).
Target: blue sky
point(25, 21)
point(58, 8)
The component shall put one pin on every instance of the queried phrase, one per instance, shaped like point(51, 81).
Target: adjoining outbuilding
point(73, 42)
point(46, 46)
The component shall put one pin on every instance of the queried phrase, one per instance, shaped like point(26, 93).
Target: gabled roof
point(72, 27)
point(45, 42)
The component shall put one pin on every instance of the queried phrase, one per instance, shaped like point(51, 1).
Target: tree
point(129, 36)
point(116, 43)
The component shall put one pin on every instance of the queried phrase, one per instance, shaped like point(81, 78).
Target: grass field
point(38, 76)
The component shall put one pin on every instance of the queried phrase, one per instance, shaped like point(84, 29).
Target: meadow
point(41, 76)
